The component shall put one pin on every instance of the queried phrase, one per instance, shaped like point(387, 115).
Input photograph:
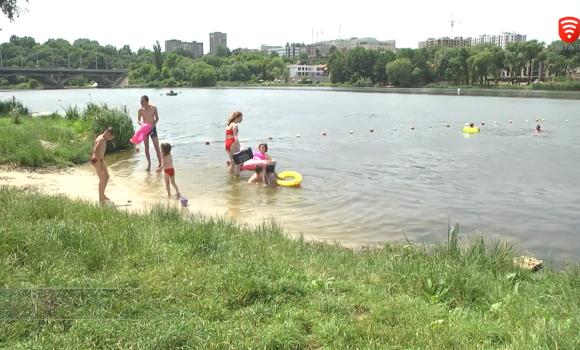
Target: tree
point(400, 71)
point(530, 50)
point(158, 56)
point(223, 51)
point(10, 9)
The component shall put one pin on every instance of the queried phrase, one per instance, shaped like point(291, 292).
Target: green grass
point(61, 141)
point(20, 144)
point(175, 282)
point(558, 86)
point(492, 86)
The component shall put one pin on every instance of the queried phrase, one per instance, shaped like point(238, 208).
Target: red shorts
point(170, 171)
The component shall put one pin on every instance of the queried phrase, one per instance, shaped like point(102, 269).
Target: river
point(368, 187)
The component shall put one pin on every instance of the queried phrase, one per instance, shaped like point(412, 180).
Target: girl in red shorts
point(167, 165)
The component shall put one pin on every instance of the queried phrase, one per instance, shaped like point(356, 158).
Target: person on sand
point(233, 142)
point(257, 176)
point(167, 164)
point(262, 149)
point(148, 114)
point(98, 161)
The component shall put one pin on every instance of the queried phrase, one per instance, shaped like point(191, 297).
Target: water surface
point(366, 187)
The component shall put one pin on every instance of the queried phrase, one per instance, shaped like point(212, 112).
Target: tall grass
point(162, 280)
point(97, 118)
point(7, 105)
point(564, 86)
point(53, 140)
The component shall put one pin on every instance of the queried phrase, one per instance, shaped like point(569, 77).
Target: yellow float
point(470, 130)
point(294, 181)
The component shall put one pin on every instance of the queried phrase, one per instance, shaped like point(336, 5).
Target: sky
point(250, 24)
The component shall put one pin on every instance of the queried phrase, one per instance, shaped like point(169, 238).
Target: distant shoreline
point(465, 91)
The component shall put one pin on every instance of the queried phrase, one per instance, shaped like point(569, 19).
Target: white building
point(499, 40)
point(367, 43)
point(288, 51)
point(316, 73)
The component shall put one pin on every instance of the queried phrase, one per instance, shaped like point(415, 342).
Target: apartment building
point(287, 51)
point(174, 44)
point(216, 39)
point(445, 42)
point(318, 73)
point(499, 40)
point(367, 43)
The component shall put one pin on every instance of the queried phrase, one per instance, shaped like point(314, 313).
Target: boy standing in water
point(98, 161)
point(147, 114)
point(167, 163)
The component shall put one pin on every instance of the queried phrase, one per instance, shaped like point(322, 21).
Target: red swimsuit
point(230, 141)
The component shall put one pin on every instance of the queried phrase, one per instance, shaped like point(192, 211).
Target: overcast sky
point(252, 23)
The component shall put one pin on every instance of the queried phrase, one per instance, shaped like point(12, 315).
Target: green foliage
point(163, 280)
point(477, 65)
point(8, 105)
point(100, 117)
point(470, 65)
point(54, 140)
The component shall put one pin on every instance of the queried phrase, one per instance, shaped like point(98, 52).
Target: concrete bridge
point(54, 78)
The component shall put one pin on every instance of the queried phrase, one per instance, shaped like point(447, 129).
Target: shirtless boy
point(147, 114)
point(98, 161)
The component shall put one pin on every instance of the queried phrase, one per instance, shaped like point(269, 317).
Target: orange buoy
point(372, 130)
point(323, 134)
point(447, 125)
point(269, 137)
point(510, 121)
point(482, 123)
point(536, 120)
point(207, 143)
point(412, 128)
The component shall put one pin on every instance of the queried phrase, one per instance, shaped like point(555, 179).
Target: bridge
point(54, 78)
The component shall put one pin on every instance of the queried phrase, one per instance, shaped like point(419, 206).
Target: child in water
point(258, 175)
point(167, 164)
point(271, 176)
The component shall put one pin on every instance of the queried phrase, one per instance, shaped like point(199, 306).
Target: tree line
point(467, 65)
point(479, 64)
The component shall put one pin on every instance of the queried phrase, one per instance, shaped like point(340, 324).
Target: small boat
point(171, 93)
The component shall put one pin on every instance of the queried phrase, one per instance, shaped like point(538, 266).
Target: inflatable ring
point(471, 130)
point(294, 182)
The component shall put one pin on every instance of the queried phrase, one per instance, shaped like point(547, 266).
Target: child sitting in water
point(258, 175)
point(271, 176)
point(167, 163)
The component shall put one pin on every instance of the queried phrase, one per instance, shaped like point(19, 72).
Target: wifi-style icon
point(569, 29)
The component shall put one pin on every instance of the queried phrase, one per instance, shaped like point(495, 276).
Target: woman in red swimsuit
point(232, 141)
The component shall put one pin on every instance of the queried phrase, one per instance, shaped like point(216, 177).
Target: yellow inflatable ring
point(470, 130)
point(295, 181)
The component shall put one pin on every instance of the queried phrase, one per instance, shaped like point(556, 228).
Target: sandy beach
point(77, 183)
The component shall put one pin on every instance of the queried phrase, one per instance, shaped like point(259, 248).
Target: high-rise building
point(499, 40)
point(457, 41)
point(174, 44)
point(216, 39)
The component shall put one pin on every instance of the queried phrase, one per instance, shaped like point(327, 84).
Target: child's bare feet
point(178, 195)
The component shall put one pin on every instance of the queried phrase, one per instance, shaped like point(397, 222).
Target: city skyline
point(432, 21)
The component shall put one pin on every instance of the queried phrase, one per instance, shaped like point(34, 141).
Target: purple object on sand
point(184, 202)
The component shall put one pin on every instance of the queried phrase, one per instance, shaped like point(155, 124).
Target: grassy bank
point(56, 139)
point(158, 281)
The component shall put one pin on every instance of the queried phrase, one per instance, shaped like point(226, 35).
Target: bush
point(363, 82)
point(99, 117)
point(7, 105)
point(568, 86)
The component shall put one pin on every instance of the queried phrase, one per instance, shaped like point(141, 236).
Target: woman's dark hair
point(258, 169)
point(265, 146)
point(270, 168)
